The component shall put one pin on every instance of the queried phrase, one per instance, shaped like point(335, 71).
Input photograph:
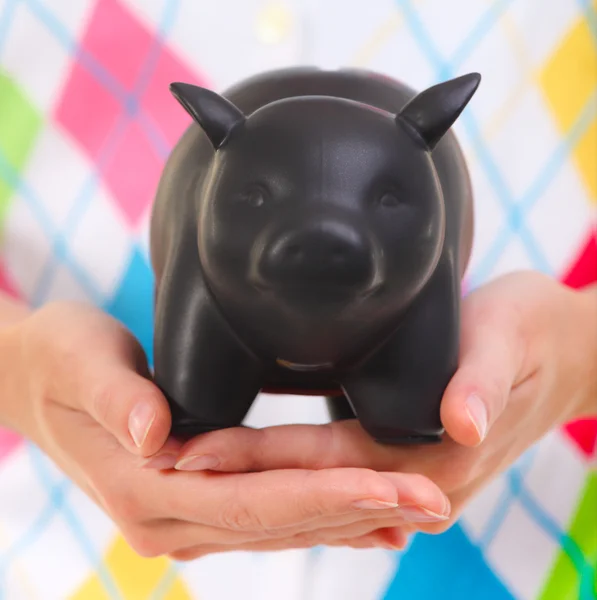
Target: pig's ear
point(216, 115)
point(432, 112)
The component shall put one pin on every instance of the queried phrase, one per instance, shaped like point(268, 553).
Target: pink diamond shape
point(118, 41)
point(132, 173)
point(6, 284)
point(87, 110)
point(158, 102)
point(9, 442)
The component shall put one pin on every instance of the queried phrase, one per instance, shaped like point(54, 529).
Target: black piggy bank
point(309, 236)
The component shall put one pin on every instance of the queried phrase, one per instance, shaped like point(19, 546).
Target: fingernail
point(397, 545)
point(373, 504)
point(197, 463)
point(140, 422)
point(418, 514)
point(477, 412)
point(161, 462)
point(388, 546)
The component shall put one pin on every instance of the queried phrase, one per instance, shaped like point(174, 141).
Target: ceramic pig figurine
point(309, 236)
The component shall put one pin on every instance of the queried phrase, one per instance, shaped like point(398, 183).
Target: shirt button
point(274, 23)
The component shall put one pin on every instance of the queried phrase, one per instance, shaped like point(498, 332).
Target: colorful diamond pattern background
point(99, 101)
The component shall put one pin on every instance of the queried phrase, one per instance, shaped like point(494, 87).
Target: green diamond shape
point(20, 123)
point(567, 581)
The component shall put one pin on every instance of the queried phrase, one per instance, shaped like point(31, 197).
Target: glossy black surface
point(309, 234)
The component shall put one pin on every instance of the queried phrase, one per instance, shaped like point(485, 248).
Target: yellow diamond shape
point(274, 23)
point(569, 82)
point(136, 578)
point(570, 76)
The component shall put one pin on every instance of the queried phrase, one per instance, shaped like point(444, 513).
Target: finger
point(199, 551)
point(242, 449)
point(168, 535)
point(395, 540)
point(459, 500)
point(240, 502)
point(334, 445)
point(282, 498)
point(166, 457)
point(390, 538)
point(359, 529)
point(490, 363)
point(274, 499)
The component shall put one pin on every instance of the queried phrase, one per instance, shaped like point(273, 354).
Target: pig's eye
point(254, 196)
point(389, 200)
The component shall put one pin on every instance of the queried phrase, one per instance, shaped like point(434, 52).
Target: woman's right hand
point(79, 387)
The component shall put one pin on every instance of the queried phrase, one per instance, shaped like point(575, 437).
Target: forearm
point(12, 312)
point(588, 297)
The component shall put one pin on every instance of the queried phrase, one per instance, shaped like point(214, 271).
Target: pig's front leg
point(397, 393)
point(208, 377)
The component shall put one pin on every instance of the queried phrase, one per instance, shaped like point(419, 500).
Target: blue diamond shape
point(132, 303)
point(447, 566)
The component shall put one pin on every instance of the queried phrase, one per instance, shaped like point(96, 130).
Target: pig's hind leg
point(398, 392)
point(339, 408)
point(208, 377)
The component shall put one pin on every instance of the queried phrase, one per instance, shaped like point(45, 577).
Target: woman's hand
point(528, 365)
point(76, 383)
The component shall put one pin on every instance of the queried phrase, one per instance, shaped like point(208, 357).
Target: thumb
point(490, 362)
point(130, 407)
point(110, 380)
point(89, 362)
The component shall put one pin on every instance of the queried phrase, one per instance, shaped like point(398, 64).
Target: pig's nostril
point(294, 252)
point(338, 253)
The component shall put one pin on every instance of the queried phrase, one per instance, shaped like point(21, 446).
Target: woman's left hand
point(528, 356)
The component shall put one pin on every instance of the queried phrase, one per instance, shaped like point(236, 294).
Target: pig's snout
point(331, 256)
